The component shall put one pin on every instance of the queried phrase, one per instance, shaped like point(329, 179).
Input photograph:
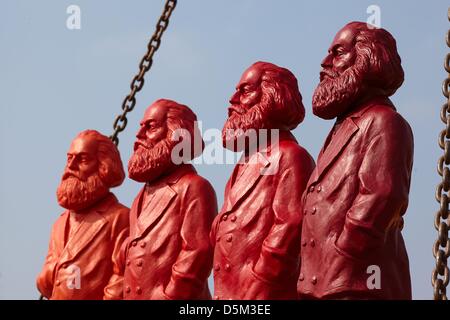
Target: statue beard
point(336, 93)
point(148, 163)
point(241, 120)
point(76, 194)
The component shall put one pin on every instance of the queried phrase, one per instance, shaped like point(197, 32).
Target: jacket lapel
point(227, 204)
point(154, 208)
point(153, 200)
point(252, 172)
point(134, 212)
point(60, 240)
point(91, 224)
point(335, 146)
point(89, 227)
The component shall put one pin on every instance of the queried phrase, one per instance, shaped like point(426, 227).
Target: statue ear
point(103, 171)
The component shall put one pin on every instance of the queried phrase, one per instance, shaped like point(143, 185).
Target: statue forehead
point(156, 112)
point(84, 144)
point(345, 37)
point(251, 76)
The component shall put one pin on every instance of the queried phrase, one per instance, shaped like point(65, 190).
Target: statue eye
point(340, 52)
point(247, 89)
point(84, 159)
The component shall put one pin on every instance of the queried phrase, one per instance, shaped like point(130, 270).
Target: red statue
point(352, 246)
point(83, 260)
point(257, 233)
point(168, 254)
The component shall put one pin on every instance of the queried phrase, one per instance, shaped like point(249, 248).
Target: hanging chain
point(441, 248)
point(146, 62)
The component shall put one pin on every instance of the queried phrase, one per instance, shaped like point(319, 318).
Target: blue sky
point(56, 82)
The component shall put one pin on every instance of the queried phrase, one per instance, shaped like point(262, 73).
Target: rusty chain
point(146, 62)
point(441, 247)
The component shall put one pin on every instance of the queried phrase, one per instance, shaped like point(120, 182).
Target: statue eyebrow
point(143, 123)
point(78, 154)
point(335, 47)
point(243, 85)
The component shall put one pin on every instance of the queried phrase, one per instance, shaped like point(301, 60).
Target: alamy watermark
point(73, 280)
point(374, 19)
point(73, 21)
point(255, 142)
point(374, 280)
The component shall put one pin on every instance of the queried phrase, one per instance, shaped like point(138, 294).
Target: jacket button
point(139, 263)
point(138, 290)
point(312, 243)
point(227, 267)
point(305, 212)
point(134, 243)
point(304, 243)
point(127, 289)
point(217, 267)
point(319, 188)
point(216, 297)
point(143, 244)
point(313, 211)
point(314, 280)
point(301, 277)
point(225, 217)
point(218, 239)
point(128, 262)
point(229, 238)
point(233, 218)
point(57, 283)
point(311, 189)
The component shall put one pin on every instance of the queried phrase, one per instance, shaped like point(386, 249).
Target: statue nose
point(327, 62)
point(235, 98)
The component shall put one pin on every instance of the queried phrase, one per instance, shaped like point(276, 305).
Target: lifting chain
point(441, 247)
point(146, 62)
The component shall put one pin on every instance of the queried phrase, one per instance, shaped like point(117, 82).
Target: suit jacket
point(168, 255)
point(257, 233)
point(86, 266)
point(354, 207)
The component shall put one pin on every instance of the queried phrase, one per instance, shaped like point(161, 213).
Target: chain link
point(146, 63)
point(441, 247)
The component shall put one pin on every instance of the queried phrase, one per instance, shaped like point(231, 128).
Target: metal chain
point(146, 62)
point(441, 247)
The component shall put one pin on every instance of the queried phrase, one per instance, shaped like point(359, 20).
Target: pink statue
point(257, 233)
point(168, 254)
point(352, 246)
point(83, 260)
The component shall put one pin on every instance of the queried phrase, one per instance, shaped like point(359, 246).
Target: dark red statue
point(352, 246)
point(83, 260)
point(257, 233)
point(168, 254)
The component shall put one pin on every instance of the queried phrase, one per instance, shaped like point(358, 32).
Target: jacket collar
point(92, 221)
point(158, 195)
point(248, 172)
point(345, 128)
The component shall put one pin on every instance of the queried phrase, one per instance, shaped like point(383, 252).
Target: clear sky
point(56, 82)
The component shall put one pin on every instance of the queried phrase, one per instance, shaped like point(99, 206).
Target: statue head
point(267, 97)
point(93, 167)
point(362, 62)
point(164, 123)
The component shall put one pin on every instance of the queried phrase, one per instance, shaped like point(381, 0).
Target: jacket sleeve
point(194, 262)
point(279, 256)
point(384, 180)
point(119, 237)
point(44, 280)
